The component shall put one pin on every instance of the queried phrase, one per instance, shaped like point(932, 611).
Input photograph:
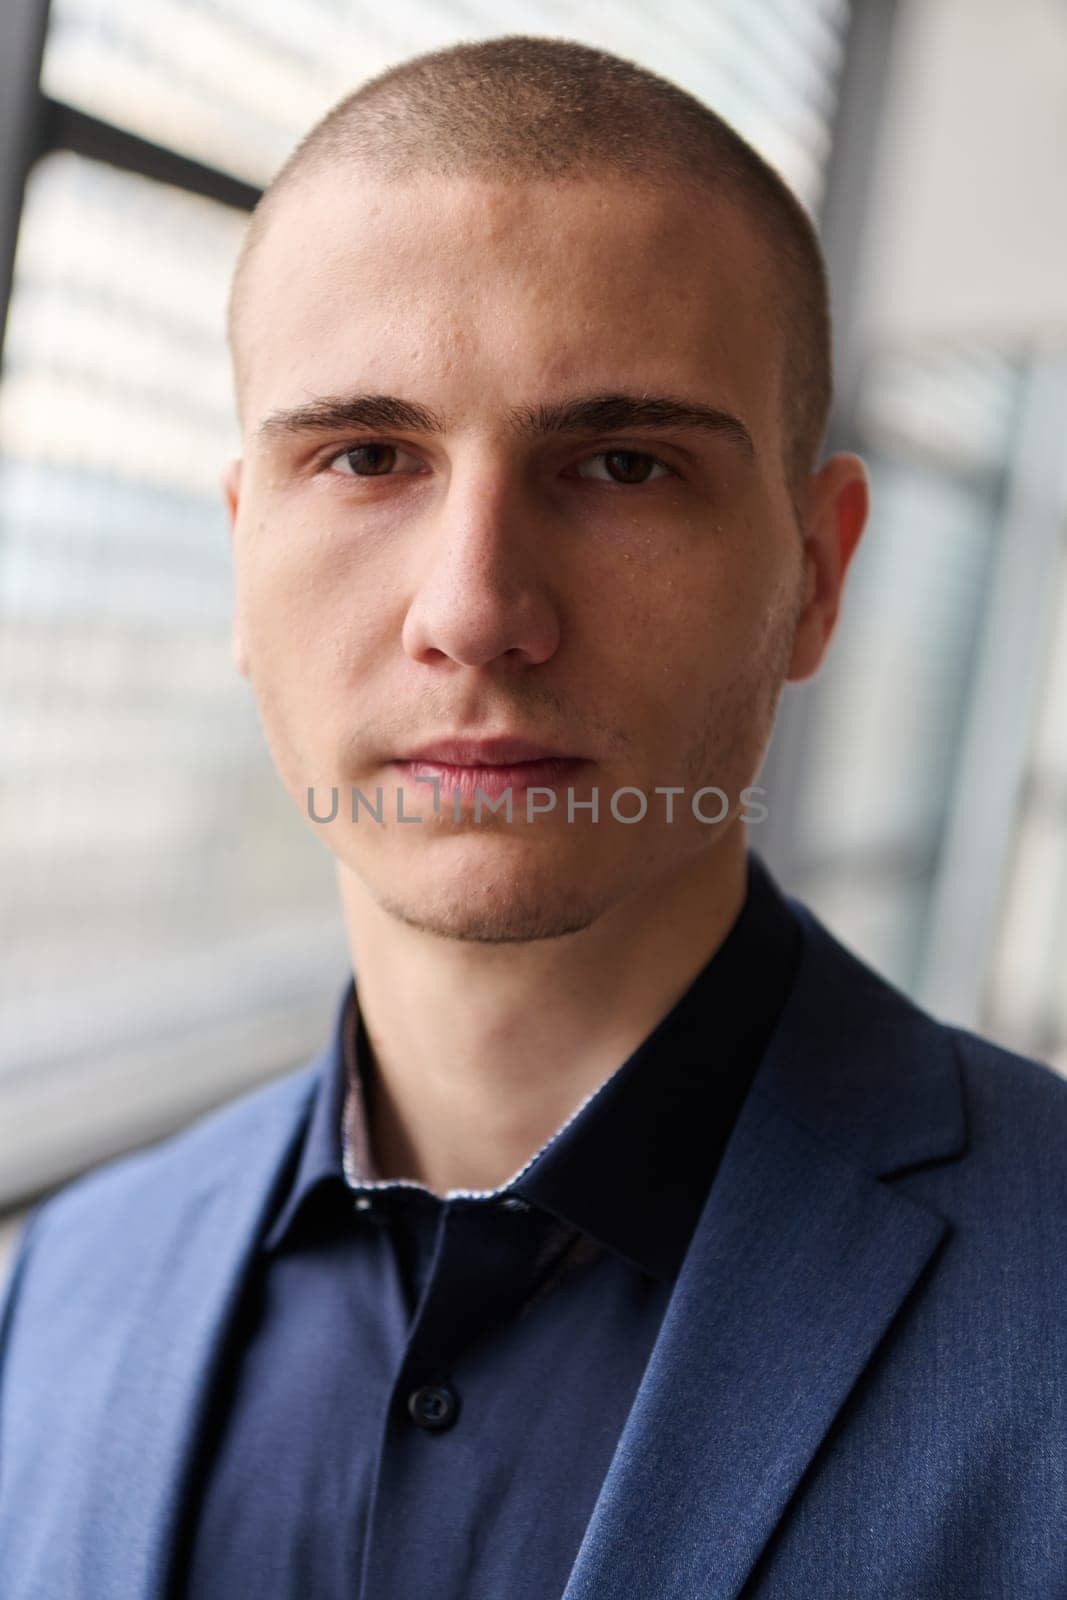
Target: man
point(629, 1236)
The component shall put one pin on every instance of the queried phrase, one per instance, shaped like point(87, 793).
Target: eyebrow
point(597, 413)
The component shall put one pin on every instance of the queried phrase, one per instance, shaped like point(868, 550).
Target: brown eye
point(373, 458)
point(370, 460)
point(632, 467)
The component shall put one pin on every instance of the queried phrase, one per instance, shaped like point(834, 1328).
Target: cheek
point(313, 601)
point(681, 614)
point(696, 637)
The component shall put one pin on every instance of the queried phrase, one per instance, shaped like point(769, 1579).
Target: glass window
point(169, 929)
point(892, 698)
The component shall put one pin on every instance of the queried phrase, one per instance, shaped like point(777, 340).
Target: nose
point(482, 591)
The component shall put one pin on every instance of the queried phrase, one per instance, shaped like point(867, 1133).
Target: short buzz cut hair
point(539, 108)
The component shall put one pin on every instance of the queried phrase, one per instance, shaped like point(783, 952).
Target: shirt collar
point(633, 1164)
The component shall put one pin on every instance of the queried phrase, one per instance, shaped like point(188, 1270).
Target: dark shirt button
point(513, 1203)
point(434, 1406)
point(363, 1202)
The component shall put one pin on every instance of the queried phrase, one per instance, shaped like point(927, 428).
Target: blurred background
point(171, 934)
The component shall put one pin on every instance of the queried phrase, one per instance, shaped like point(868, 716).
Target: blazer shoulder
point(1000, 1074)
point(863, 995)
point(165, 1174)
point(896, 1086)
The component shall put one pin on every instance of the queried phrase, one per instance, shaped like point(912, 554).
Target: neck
point(481, 1051)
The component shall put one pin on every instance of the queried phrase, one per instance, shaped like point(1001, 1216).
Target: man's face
point(626, 595)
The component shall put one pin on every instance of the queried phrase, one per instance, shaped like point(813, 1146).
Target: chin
point(492, 904)
point(505, 924)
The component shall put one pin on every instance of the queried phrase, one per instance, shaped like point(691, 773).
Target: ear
point(231, 484)
point(837, 503)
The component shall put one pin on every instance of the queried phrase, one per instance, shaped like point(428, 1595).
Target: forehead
point(460, 283)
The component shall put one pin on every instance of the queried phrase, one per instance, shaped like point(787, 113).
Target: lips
point(491, 766)
point(485, 752)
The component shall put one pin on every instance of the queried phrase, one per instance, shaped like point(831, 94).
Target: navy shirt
point(422, 1394)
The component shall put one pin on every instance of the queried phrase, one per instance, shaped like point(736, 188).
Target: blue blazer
point(859, 1391)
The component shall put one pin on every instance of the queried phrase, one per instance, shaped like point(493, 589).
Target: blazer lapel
point(155, 1405)
point(798, 1266)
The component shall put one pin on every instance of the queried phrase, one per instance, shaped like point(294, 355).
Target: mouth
point(492, 766)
